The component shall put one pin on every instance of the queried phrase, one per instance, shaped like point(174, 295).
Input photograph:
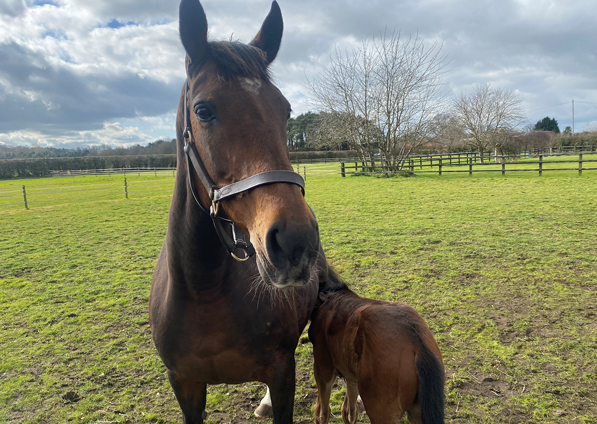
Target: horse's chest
point(216, 344)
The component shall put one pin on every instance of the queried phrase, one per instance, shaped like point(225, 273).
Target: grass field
point(504, 270)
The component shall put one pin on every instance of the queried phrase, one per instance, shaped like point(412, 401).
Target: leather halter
point(232, 239)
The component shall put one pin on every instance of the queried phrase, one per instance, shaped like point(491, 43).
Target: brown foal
point(386, 353)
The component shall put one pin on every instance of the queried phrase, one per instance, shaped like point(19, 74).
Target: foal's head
point(238, 120)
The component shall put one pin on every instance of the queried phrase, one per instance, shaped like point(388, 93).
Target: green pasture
point(503, 269)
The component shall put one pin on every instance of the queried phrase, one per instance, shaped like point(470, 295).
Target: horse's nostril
point(289, 246)
point(274, 250)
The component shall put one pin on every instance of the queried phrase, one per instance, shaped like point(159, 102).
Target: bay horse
point(239, 271)
point(385, 352)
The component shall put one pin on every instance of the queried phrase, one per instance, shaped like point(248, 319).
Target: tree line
point(158, 147)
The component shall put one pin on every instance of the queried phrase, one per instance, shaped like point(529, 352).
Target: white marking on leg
point(265, 410)
point(267, 399)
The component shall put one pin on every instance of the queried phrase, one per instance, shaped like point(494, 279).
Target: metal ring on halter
point(240, 259)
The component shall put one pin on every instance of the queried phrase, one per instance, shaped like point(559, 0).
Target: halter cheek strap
point(233, 239)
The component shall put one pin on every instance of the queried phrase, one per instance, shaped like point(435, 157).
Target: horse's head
point(238, 124)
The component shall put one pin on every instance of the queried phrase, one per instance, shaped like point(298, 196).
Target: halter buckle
point(187, 134)
point(214, 209)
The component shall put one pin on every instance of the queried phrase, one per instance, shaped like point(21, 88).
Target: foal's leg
point(324, 377)
point(191, 397)
point(349, 406)
point(414, 414)
point(383, 407)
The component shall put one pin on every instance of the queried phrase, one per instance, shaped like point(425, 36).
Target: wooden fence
point(439, 163)
point(111, 171)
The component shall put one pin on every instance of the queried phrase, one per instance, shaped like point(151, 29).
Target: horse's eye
point(204, 114)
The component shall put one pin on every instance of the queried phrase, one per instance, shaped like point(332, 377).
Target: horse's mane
point(234, 59)
point(333, 283)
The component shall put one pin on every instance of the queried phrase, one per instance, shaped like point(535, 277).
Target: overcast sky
point(79, 72)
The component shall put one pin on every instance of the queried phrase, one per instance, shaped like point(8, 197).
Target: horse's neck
point(346, 302)
point(195, 254)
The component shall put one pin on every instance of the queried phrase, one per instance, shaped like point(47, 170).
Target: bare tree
point(539, 140)
point(489, 115)
point(591, 127)
point(382, 95)
point(446, 129)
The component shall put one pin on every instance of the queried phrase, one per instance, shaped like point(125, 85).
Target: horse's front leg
point(282, 387)
point(191, 397)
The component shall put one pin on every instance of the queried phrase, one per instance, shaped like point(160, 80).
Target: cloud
point(68, 68)
point(12, 8)
point(112, 133)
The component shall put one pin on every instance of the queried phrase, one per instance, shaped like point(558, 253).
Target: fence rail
point(412, 167)
point(110, 172)
point(53, 194)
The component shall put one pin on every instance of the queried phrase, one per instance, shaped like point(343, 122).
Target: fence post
point(580, 164)
point(305, 172)
point(440, 165)
point(540, 165)
point(503, 165)
point(126, 192)
point(470, 166)
point(25, 197)
point(342, 169)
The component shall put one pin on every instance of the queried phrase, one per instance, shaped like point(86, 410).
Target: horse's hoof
point(264, 411)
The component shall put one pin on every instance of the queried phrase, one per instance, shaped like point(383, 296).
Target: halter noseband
point(236, 240)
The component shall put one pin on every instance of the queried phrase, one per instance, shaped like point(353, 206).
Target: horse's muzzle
point(291, 253)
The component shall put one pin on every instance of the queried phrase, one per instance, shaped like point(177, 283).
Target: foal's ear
point(270, 35)
point(193, 29)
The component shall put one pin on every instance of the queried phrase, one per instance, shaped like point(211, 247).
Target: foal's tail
point(431, 386)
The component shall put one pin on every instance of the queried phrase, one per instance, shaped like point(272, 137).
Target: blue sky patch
point(58, 35)
point(114, 23)
point(44, 2)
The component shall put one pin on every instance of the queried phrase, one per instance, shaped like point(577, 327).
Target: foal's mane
point(234, 59)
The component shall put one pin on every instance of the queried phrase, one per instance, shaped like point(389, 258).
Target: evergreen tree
point(301, 130)
point(547, 124)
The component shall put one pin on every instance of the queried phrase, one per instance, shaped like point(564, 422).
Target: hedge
point(42, 167)
point(23, 168)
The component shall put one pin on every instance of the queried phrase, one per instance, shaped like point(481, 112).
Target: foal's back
point(385, 351)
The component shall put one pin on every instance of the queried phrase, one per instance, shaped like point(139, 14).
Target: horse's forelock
point(234, 59)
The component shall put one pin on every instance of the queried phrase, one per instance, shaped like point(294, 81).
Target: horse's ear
point(270, 35)
point(193, 29)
